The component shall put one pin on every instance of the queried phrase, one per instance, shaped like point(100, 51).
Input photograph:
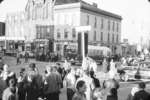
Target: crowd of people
point(62, 82)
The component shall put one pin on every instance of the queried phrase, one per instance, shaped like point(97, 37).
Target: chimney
point(95, 4)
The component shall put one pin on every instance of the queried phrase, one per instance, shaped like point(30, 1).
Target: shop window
point(113, 38)
point(94, 35)
point(108, 37)
point(113, 26)
point(117, 39)
point(58, 47)
point(109, 25)
point(117, 27)
point(58, 33)
point(73, 33)
point(88, 20)
point(65, 33)
point(101, 36)
point(102, 23)
point(95, 25)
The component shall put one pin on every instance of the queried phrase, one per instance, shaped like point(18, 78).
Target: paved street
point(124, 90)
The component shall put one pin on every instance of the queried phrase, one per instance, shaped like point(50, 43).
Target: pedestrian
point(2, 84)
point(133, 91)
point(95, 80)
point(77, 73)
point(22, 81)
point(141, 94)
point(1, 63)
point(52, 83)
point(11, 92)
point(81, 89)
point(18, 58)
point(66, 66)
point(70, 79)
point(105, 66)
point(112, 95)
point(26, 56)
point(70, 84)
point(31, 85)
point(113, 70)
point(89, 84)
point(5, 72)
point(93, 66)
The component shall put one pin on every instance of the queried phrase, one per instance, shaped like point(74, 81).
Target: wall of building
point(66, 17)
point(75, 15)
point(68, 14)
point(2, 28)
point(18, 27)
point(97, 19)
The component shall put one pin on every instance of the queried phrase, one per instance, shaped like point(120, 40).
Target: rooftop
point(89, 7)
point(60, 2)
point(92, 8)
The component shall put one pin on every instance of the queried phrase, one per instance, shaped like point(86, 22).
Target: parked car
point(31, 54)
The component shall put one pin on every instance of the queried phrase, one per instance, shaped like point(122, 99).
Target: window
point(58, 47)
point(113, 26)
point(42, 32)
point(88, 20)
point(94, 36)
point(65, 18)
point(109, 25)
point(38, 31)
point(102, 23)
point(113, 38)
point(48, 29)
point(73, 33)
point(58, 33)
point(117, 39)
point(95, 25)
point(65, 33)
point(101, 36)
point(117, 27)
point(108, 38)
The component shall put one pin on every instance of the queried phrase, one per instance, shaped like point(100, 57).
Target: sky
point(135, 14)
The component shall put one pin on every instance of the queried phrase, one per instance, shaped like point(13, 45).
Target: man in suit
point(141, 94)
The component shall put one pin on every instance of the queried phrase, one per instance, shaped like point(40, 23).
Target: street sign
point(83, 28)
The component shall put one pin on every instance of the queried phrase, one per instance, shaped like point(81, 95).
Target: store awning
point(2, 38)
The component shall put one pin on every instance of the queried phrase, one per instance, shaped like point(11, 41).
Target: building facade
point(18, 28)
point(41, 22)
point(105, 31)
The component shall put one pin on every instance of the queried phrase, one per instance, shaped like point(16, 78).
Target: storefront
point(61, 47)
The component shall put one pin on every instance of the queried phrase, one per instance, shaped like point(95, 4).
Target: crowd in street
point(62, 82)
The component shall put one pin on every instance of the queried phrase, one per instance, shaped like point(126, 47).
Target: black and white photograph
point(74, 49)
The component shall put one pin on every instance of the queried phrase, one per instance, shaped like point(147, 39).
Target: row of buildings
point(40, 22)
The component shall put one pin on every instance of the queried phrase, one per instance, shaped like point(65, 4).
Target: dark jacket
point(113, 94)
point(141, 95)
point(130, 97)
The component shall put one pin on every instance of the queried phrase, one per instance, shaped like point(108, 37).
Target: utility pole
point(51, 39)
point(82, 30)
